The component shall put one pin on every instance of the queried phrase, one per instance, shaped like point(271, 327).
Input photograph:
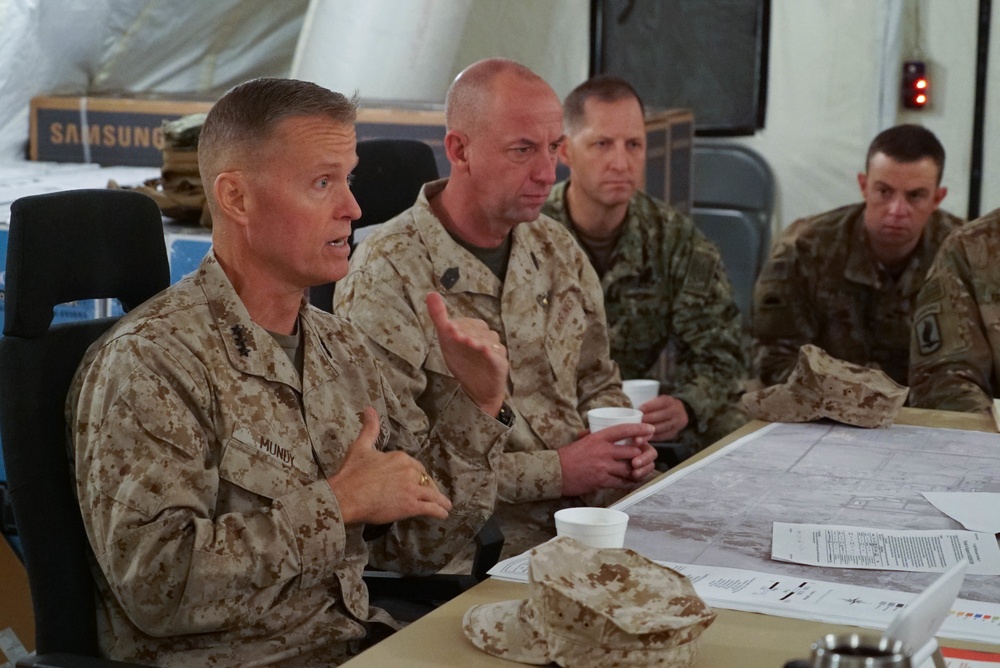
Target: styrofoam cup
point(602, 418)
point(596, 527)
point(641, 390)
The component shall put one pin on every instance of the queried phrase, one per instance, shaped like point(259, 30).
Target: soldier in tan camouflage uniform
point(664, 283)
point(955, 353)
point(847, 280)
point(478, 239)
point(230, 440)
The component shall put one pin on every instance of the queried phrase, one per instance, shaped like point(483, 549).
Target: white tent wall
point(385, 50)
point(549, 36)
point(829, 68)
point(834, 77)
point(833, 73)
point(155, 46)
point(411, 50)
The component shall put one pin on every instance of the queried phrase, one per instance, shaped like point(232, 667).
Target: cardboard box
point(107, 130)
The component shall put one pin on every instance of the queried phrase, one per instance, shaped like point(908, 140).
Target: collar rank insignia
point(239, 337)
point(449, 278)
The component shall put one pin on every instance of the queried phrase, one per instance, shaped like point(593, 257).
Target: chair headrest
point(81, 244)
point(389, 176)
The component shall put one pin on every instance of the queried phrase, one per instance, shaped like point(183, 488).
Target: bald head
point(470, 98)
point(504, 130)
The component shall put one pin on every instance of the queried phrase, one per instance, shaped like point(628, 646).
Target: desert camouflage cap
point(591, 607)
point(821, 386)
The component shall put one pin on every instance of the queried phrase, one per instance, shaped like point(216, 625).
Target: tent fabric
point(114, 46)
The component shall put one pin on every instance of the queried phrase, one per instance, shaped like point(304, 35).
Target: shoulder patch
point(928, 334)
point(701, 273)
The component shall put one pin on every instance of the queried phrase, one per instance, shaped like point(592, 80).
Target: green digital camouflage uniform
point(549, 313)
point(955, 354)
point(201, 466)
point(666, 285)
point(822, 285)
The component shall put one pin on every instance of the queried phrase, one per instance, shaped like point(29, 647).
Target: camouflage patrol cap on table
point(591, 607)
point(821, 386)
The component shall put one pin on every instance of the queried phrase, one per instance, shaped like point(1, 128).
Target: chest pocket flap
point(264, 467)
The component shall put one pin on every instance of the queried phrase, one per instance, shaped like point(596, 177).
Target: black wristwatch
point(506, 415)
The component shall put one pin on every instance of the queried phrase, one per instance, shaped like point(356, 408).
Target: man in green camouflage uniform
point(663, 281)
point(955, 353)
point(231, 441)
point(478, 239)
point(847, 280)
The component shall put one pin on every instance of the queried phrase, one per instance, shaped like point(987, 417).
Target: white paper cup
point(641, 390)
point(602, 418)
point(596, 527)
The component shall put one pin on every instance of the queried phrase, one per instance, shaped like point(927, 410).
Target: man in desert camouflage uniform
point(664, 283)
point(478, 239)
point(955, 353)
point(847, 280)
point(230, 440)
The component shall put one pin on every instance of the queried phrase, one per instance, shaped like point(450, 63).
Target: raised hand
point(473, 353)
point(376, 487)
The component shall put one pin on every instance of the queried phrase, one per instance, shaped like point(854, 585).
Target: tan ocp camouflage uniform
point(955, 354)
point(549, 313)
point(201, 465)
point(666, 286)
point(822, 285)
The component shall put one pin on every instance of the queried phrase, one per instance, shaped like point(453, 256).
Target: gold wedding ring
point(424, 480)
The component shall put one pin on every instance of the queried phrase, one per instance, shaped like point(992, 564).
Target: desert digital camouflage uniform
point(955, 354)
point(822, 285)
point(666, 286)
point(202, 458)
point(549, 313)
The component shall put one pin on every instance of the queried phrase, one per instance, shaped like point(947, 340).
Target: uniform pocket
point(261, 465)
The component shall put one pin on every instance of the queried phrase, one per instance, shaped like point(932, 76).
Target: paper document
point(977, 511)
point(884, 549)
point(716, 517)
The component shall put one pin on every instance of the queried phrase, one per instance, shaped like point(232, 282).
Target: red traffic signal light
point(916, 86)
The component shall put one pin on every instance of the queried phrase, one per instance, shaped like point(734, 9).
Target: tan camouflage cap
point(591, 607)
point(821, 386)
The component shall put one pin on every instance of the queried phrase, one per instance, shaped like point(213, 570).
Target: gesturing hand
point(473, 354)
point(380, 487)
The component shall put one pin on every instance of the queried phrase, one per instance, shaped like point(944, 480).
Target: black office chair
point(387, 180)
point(733, 205)
point(66, 246)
